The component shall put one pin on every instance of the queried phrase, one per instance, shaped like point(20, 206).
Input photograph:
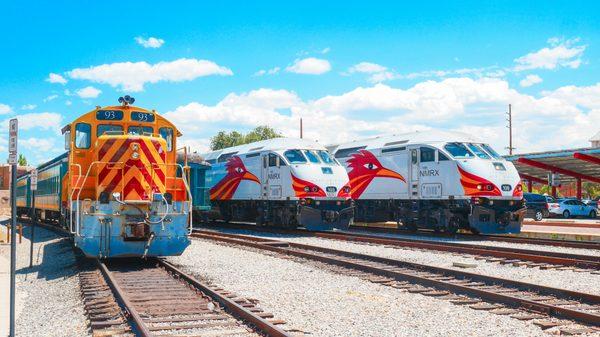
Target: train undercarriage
point(309, 213)
point(479, 215)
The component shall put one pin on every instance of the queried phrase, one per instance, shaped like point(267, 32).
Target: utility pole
point(510, 137)
point(300, 127)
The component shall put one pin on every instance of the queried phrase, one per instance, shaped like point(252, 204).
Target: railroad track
point(154, 298)
point(571, 312)
point(503, 255)
point(496, 238)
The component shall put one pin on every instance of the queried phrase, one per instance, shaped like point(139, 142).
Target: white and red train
point(283, 181)
point(433, 179)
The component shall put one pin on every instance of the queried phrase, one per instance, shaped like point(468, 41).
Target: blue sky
point(349, 69)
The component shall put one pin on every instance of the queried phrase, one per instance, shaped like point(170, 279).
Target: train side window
point(108, 129)
point(442, 156)
point(413, 156)
point(167, 134)
point(427, 155)
point(83, 136)
point(273, 159)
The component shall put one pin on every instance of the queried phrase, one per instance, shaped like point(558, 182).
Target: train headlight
point(346, 189)
point(135, 155)
point(315, 189)
point(306, 189)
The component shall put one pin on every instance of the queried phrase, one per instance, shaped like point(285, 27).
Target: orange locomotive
point(122, 191)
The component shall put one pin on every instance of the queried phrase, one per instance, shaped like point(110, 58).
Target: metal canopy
point(573, 165)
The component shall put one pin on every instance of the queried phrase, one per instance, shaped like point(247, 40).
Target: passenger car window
point(458, 150)
point(167, 134)
point(83, 136)
point(312, 156)
point(295, 156)
point(108, 129)
point(427, 155)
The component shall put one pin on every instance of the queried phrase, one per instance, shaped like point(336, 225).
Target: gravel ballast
point(312, 298)
point(51, 299)
point(565, 279)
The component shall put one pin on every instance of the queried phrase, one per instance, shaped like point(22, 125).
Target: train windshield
point(491, 151)
point(326, 157)
point(312, 156)
point(478, 151)
point(458, 150)
point(295, 156)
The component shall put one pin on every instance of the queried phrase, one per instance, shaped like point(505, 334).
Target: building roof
point(571, 164)
point(596, 137)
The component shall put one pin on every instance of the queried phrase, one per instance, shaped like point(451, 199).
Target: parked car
point(591, 202)
point(537, 206)
point(572, 208)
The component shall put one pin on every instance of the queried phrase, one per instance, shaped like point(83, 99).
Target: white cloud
point(50, 98)
point(56, 78)
point(5, 109)
point(367, 67)
point(28, 107)
point(132, 76)
point(151, 42)
point(310, 66)
point(67, 103)
point(43, 120)
point(530, 80)
point(561, 53)
point(88, 92)
point(272, 71)
point(38, 144)
point(475, 106)
point(325, 50)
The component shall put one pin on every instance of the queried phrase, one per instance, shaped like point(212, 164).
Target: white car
point(572, 208)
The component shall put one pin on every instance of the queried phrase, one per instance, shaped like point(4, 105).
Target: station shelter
point(573, 166)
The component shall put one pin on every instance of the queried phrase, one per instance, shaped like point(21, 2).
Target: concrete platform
point(561, 232)
point(558, 222)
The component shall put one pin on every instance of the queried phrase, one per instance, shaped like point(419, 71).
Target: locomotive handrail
point(71, 197)
point(184, 179)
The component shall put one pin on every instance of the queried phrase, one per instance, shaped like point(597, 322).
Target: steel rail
point(545, 257)
point(498, 238)
point(261, 324)
point(121, 296)
point(392, 268)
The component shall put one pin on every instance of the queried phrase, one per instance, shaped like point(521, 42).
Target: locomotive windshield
point(295, 156)
point(312, 156)
point(458, 150)
point(478, 151)
point(491, 151)
point(326, 157)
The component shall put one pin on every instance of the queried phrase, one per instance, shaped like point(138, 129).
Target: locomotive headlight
point(306, 189)
point(135, 147)
point(135, 155)
point(315, 189)
point(346, 189)
point(479, 187)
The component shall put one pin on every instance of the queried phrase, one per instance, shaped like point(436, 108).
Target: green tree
point(22, 161)
point(227, 139)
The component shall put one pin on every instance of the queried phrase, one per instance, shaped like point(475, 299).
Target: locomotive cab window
point(491, 151)
point(312, 156)
point(273, 159)
point(326, 157)
point(427, 155)
point(295, 156)
point(107, 129)
point(478, 151)
point(442, 156)
point(140, 130)
point(167, 134)
point(458, 150)
point(83, 136)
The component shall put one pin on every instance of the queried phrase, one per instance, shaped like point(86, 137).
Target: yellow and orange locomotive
point(119, 189)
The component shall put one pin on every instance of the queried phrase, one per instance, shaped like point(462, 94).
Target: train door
point(413, 173)
point(274, 175)
point(264, 177)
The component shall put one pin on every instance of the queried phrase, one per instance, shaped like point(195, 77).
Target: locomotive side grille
point(133, 166)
